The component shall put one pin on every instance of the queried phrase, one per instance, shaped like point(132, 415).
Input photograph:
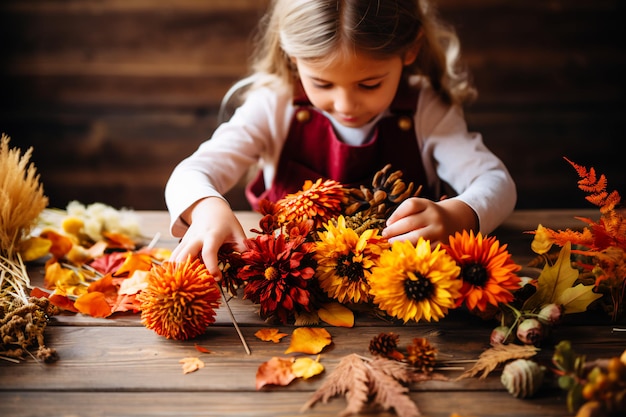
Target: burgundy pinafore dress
point(312, 150)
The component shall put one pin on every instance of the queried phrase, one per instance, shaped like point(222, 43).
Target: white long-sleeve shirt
point(258, 129)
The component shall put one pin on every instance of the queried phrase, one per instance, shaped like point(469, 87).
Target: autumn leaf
point(191, 364)
point(34, 248)
point(201, 349)
point(60, 244)
point(108, 263)
point(553, 280)
point(577, 299)
point(362, 381)
point(119, 240)
point(134, 261)
point(309, 340)
point(276, 371)
point(93, 304)
point(270, 335)
point(492, 357)
point(135, 283)
point(306, 367)
point(336, 314)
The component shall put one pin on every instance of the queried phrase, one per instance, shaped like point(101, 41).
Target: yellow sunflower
point(345, 259)
point(488, 272)
point(415, 282)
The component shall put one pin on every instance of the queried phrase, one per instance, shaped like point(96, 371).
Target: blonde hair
point(319, 29)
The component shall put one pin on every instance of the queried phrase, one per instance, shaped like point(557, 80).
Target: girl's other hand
point(212, 224)
point(434, 221)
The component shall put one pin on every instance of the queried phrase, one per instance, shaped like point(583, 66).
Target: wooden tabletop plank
point(259, 404)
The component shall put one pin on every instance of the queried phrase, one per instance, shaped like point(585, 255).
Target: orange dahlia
point(488, 272)
point(415, 282)
point(319, 201)
point(277, 273)
point(180, 300)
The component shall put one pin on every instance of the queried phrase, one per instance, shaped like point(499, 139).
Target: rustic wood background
point(112, 94)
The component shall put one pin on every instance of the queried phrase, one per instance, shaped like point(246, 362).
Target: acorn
point(522, 377)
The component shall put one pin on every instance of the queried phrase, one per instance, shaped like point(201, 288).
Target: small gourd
point(522, 377)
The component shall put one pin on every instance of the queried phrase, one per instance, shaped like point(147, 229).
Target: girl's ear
point(411, 54)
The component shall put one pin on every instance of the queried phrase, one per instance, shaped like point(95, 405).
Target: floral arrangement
point(322, 246)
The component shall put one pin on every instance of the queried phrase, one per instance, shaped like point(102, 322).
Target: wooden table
point(116, 367)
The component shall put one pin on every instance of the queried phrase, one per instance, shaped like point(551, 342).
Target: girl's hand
point(434, 221)
point(212, 224)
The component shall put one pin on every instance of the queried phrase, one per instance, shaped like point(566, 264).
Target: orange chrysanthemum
point(180, 300)
point(318, 201)
point(488, 272)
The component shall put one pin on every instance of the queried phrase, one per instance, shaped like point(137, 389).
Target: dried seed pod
point(522, 377)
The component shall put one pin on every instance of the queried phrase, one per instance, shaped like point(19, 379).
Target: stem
point(234, 321)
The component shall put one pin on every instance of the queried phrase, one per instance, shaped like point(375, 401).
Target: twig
point(232, 318)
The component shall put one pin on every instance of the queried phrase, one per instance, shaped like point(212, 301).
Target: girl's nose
point(344, 102)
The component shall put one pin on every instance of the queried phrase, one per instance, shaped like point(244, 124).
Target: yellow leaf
point(553, 280)
point(306, 367)
point(34, 248)
point(270, 335)
point(309, 340)
point(577, 299)
point(336, 314)
point(191, 364)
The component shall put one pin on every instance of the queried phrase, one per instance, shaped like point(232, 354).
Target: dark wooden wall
point(112, 94)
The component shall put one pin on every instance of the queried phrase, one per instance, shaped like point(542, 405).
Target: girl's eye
point(369, 86)
point(322, 86)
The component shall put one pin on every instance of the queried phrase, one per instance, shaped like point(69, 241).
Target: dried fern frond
point(21, 196)
point(499, 354)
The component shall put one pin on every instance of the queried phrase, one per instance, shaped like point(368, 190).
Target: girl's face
point(352, 88)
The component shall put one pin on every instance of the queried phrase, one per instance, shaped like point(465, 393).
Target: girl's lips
point(347, 119)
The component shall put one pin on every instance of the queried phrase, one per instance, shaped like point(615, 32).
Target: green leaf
point(577, 299)
point(553, 281)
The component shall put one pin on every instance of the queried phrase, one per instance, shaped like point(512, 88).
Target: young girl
point(344, 87)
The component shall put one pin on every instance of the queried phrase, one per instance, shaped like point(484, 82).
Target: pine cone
point(360, 223)
point(387, 192)
point(386, 344)
point(422, 355)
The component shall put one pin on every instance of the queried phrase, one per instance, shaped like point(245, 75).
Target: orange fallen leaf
point(191, 364)
point(276, 371)
point(201, 349)
point(310, 340)
point(270, 335)
point(306, 367)
point(60, 244)
point(134, 261)
point(336, 314)
point(119, 240)
point(93, 304)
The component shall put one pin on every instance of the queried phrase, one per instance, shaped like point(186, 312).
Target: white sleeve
point(254, 134)
point(461, 159)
